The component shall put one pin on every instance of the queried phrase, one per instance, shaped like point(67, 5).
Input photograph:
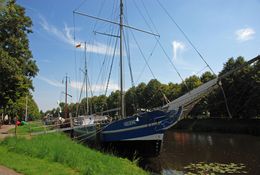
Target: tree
point(139, 91)
point(207, 76)
point(242, 89)
point(131, 101)
point(201, 108)
point(153, 94)
point(20, 105)
point(12, 83)
point(99, 103)
point(190, 83)
point(174, 91)
point(17, 67)
point(113, 101)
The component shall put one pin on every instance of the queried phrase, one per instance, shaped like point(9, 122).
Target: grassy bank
point(33, 126)
point(57, 149)
point(29, 165)
point(238, 126)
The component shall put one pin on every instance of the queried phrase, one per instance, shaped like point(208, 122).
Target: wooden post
point(30, 132)
point(71, 127)
point(15, 130)
point(45, 129)
point(71, 122)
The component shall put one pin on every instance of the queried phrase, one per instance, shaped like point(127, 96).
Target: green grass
point(60, 149)
point(31, 166)
point(30, 127)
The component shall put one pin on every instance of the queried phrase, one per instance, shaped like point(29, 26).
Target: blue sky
point(220, 29)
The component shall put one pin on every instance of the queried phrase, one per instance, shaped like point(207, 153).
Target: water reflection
point(210, 142)
point(171, 172)
point(182, 148)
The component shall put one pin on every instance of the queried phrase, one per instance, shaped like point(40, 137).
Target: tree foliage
point(242, 90)
point(17, 66)
point(32, 109)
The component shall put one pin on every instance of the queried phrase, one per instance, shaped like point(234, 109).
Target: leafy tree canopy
point(17, 66)
point(242, 89)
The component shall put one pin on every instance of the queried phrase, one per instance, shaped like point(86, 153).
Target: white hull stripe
point(149, 137)
point(131, 128)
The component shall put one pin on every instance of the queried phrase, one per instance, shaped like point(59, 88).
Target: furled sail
point(188, 100)
point(193, 96)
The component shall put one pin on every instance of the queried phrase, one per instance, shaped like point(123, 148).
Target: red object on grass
point(18, 123)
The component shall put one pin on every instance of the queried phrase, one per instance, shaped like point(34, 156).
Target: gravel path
point(4, 131)
point(7, 171)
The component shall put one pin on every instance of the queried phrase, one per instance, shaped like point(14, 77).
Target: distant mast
point(121, 24)
point(86, 74)
point(66, 96)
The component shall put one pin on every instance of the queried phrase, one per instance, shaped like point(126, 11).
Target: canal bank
point(220, 125)
point(58, 154)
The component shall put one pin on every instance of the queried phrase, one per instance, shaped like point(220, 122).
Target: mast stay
point(121, 25)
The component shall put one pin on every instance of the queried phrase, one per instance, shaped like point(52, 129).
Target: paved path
point(7, 171)
point(4, 131)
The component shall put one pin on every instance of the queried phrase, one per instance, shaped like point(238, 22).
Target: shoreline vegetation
point(220, 125)
point(57, 154)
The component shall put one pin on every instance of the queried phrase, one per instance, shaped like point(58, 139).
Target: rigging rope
point(197, 51)
point(225, 99)
point(151, 30)
point(140, 12)
point(169, 59)
point(164, 96)
point(150, 56)
point(129, 57)
point(81, 4)
point(77, 108)
point(140, 50)
point(75, 57)
point(149, 17)
point(184, 34)
point(111, 66)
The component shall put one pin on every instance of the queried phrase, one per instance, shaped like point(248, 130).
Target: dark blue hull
point(147, 126)
point(135, 148)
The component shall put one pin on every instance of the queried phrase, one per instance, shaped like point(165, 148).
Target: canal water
point(206, 153)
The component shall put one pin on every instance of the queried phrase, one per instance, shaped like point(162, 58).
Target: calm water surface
point(182, 148)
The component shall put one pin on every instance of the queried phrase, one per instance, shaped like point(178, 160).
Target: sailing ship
point(144, 131)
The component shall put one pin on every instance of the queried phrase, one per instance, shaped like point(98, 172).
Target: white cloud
point(177, 47)
point(45, 61)
point(65, 35)
point(54, 83)
point(245, 34)
point(96, 88)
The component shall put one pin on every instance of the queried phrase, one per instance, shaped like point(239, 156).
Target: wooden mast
point(122, 98)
